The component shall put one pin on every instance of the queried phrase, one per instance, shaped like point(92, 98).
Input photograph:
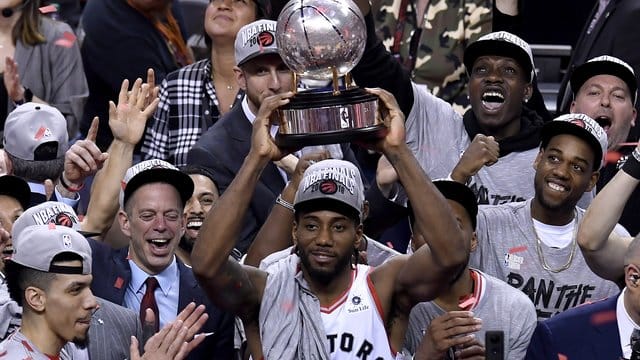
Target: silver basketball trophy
point(324, 40)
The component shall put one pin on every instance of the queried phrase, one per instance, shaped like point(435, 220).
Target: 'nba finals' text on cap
point(49, 212)
point(36, 246)
point(16, 188)
point(331, 185)
point(582, 126)
point(153, 171)
point(605, 65)
point(255, 39)
point(32, 125)
point(504, 44)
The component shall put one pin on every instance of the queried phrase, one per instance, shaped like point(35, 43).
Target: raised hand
point(262, 143)
point(392, 118)
point(128, 119)
point(12, 80)
point(83, 159)
point(483, 151)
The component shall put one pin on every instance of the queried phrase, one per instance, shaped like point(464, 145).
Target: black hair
point(326, 204)
point(192, 169)
point(37, 171)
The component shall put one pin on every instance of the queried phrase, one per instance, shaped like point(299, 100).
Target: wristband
point(70, 188)
point(282, 202)
point(632, 165)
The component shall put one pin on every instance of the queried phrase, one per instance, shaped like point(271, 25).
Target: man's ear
point(35, 298)
point(8, 163)
point(123, 219)
point(359, 234)
point(240, 78)
point(474, 242)
point(294, 229)
point(593, 180)
point(537, 160)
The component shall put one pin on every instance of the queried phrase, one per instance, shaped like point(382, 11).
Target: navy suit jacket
point(222, 149)
point(585, 332)
point(112, 274)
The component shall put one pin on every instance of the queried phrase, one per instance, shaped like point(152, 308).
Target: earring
point(526, 100)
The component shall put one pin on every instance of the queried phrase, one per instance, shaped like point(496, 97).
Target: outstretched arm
point(228, 284)
point(603, 249)
point(434, 266)
point(127, 122)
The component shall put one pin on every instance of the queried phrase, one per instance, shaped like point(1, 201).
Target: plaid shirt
point(181, 117)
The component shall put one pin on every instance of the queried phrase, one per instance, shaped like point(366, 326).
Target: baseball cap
point(31, 125)
point(49, 212)
point(36, 246)
point(151, 171)
point(501, 43)
point(579, 125)
point(255, 39)
point(457, 192)
point(16, 188)
point(331, 184)
point(605, 65)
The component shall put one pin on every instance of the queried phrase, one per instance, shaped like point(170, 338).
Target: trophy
point(324, 40)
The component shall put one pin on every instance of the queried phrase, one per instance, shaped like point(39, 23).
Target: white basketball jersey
point(354, 325)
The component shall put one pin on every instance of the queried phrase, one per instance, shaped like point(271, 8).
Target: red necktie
point(149, 302)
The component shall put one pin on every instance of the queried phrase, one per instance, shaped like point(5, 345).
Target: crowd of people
point(148, 212)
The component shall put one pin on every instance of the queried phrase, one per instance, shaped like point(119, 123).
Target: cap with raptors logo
point(579, 125)
point(50, 212)
point(255, 39)
point(334, 185)
point(36, 132)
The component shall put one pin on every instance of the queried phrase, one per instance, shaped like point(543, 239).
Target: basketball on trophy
point(324, 40)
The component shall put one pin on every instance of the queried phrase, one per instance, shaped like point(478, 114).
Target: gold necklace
point(574, 243)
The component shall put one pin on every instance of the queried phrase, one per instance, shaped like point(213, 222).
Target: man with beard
point(605, 88)
point(316, 303)
point(532, 245)
point(49, 275)
point(205, 195)
point(501, 70)
point(260, 72)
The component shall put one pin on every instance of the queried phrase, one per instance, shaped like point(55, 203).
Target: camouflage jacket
point(448, 26)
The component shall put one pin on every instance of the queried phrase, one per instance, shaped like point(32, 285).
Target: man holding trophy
point(260, 72)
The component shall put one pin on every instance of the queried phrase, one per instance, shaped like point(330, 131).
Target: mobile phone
point(494, 345)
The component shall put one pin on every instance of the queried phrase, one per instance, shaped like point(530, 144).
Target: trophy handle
point(336, 81)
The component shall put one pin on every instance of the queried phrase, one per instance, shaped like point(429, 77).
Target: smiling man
point(147, 274)
point(532, 245)
point(500, 68)
point(49, 275)
point(205, 195)
point(606, 89)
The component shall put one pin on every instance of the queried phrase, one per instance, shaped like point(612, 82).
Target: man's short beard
point(322, 276)
point(82, 343)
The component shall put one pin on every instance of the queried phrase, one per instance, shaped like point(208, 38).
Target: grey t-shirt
point(437, 137)
point(500, 307)
point(507, 250)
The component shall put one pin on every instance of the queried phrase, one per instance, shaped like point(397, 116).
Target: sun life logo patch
point(66, 241)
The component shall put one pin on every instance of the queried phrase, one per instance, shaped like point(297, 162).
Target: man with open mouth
point(501, 71)
point(606, 89)
point(205, 195)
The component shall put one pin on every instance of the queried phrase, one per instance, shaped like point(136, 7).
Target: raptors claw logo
point(328, 187)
